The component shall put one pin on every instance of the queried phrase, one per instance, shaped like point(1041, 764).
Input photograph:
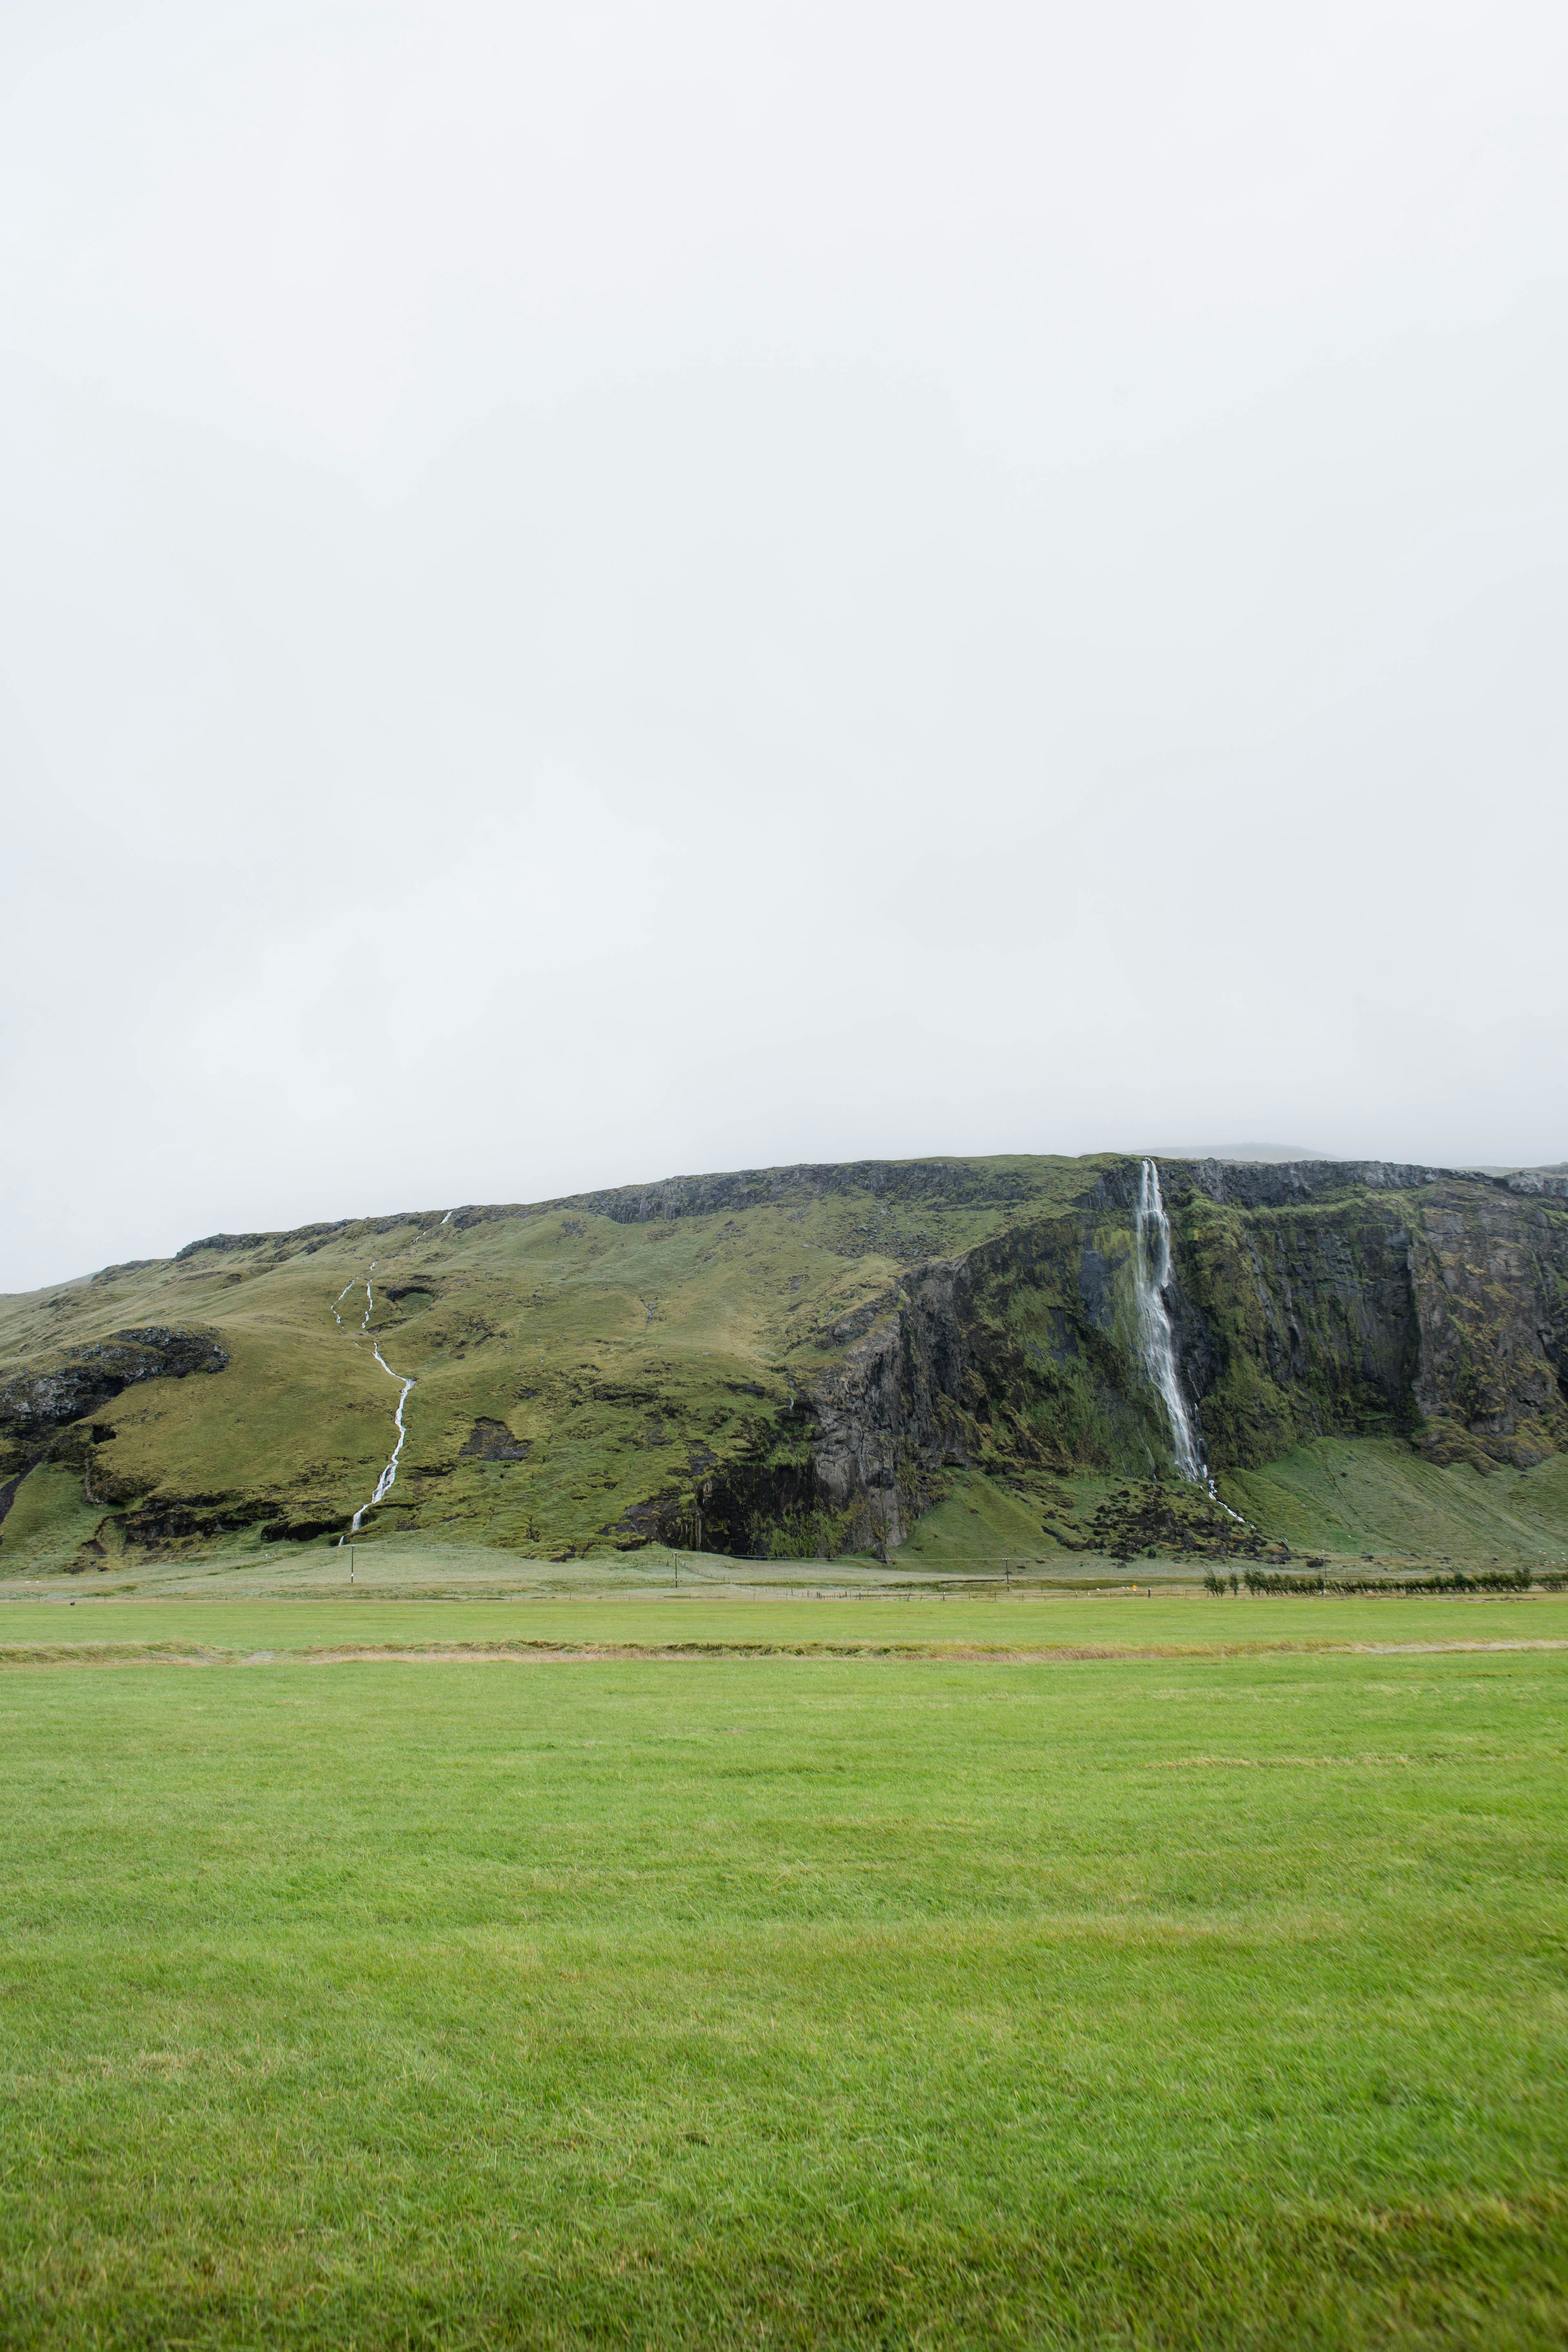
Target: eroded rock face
point(39, 1405)
point(1490, 1280)
point(86, 1377)
point(1437, 1311)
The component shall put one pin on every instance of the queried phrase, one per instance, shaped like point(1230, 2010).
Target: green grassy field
point(1208, 1997)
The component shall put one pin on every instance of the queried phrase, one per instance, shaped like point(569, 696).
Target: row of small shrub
point(1261, 1582)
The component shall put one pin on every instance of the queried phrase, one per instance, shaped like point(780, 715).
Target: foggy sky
point(599, 590)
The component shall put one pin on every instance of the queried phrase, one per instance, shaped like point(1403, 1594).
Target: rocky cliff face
point(1308, 1300)
point(1491, 1291)
point(1420, 1301)
point(48, 1412)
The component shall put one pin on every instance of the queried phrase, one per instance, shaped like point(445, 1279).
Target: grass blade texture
point(1196, 2000)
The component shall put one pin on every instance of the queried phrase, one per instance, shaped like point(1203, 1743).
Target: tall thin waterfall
point(1153, 1274)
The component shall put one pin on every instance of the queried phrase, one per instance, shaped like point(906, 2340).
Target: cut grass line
point(549, 1652)
point(1331, 1763)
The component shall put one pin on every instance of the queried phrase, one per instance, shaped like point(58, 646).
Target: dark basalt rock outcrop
point(1491, 1289)
point(40, 1406)
point(320, 1520)
point(492, 1441)
point(181, 1518)
point(1437, 1309)
point(87, 1377)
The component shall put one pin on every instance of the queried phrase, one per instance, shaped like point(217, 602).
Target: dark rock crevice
point(492, 1441)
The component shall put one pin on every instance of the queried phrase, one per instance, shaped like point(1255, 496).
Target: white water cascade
point(1155, 1336)
point(388, 1477)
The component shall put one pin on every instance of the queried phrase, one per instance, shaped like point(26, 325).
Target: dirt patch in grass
point(547, 1652)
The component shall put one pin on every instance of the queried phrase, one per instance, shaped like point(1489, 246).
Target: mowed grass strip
point(1068, 1623)
point(787, 2000)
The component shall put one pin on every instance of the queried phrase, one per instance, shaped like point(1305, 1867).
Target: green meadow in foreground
point(1211, 1996)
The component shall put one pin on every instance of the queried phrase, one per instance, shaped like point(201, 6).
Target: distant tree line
point(1264, 1584)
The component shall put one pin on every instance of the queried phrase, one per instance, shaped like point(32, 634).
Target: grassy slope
point(1347, 1499)
point(611, 1349)
point(1346, 1496)
point(1208, 2002)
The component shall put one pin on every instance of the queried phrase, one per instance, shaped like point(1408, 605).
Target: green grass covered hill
point(931, 1360)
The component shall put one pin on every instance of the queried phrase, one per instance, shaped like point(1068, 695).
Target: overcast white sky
point(594, 590)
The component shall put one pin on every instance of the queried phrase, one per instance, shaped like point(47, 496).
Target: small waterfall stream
point(388, 1477)
point(1154, 1334)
